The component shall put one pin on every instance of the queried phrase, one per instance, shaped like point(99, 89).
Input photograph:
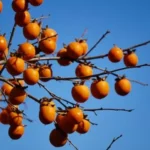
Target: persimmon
point(1, 66)
point(62, 53)
point(19, 5)
point(3, 43)
point(49, 33)
point(99, 88)
point(16, 132)
point(74, 50)
point(32, 30)
point(115, 54)
point(130, 59)
point(15, 118)
point(15, 65)
point(47, 112)
point(58, 138)
point(48, 46)
point(65, 124)
point(80, 93)
point(84, 45)
point(6, 88)
point(75, 115)
point(83, 70)
point(122, 86)
point(46, 72)
point(26, 50)
point(22, 18)
point(83, 126)
point(4, 116)
point(31, 76)
point(35, 2)
point(1, 6)
point(4, 54)
point(17, 96)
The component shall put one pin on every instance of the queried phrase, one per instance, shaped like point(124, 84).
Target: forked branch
point(113, 141)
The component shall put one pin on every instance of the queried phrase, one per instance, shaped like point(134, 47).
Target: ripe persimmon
point(58, 138)
point(83, 126)
point(80, 93)
point(65, 124)
point(75, 115)
point(15, 118)
point(83, 70)
point(122, 86)
point(99, 88)
point(47, 112)
point(22, 18)
point(17, 96)
point(6, 88)
point(46, 72)
point(26, 50)
point(74, 50)
point(115, 54)
point(1, 66)
point(130, 59)
point(32, 30)
point(19, 5)
point(31, 76)
point(3, 43)
point(84, 44)
point(16, 132)
point(62, 53)
point(4, 116)
point(48, 46)
point(15, 65)
point(48, 32)
point(4, 54)
point(35, 2)
point(1, 6)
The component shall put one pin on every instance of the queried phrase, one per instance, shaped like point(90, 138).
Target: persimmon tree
point(32, 64)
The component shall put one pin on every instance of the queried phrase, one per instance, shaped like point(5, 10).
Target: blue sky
point(129, 24)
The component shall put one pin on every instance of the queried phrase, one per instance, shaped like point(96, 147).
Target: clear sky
point(129, 24)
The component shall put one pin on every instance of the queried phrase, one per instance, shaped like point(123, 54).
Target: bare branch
point(103, 36)
point(55, 96)
point(33, 98)
point(111, 109)
point(58, 78)
point(137, 45)
point(113, 141)
point(9, 44)
point(72, 144)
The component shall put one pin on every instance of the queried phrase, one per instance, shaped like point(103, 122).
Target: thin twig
point(33, 98)
point(113, 141)
point(9, 44)
point(54, 96)
point(72, 144)
point(111, 109)
point(42, 17)
point(44, 39)
point(103, 36)
point(137, 45)
point(58, 78)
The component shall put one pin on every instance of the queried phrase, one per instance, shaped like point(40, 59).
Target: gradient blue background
point(129, 23)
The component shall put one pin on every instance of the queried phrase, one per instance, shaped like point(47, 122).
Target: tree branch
point(113, 141)
point(111, 109)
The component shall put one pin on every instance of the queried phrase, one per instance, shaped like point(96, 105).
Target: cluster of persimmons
point(19, 63)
